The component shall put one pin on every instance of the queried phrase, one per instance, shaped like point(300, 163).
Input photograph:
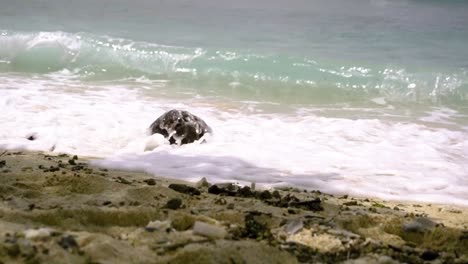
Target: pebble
point(174, 203)
point(150, 181)
point(429, 255)
point(208, 230)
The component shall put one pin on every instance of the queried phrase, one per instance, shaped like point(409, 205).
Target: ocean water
point(364, 97)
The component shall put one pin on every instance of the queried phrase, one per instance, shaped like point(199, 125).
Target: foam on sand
point(367, 157)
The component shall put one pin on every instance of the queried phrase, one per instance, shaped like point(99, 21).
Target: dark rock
point(173, 204)
point(75, 157)
point(276, 195)
point(106, 203)
point(68, 242)
point(71, 162)
point(2, 163)
point(150, 181)
point(31, 137)
point(230, 206)
point(350, 203)
point(228, 189)
point(182, 188)
point(245, 192)
point(265, 195)
point(429, 255)
point(180, 127)
point(312, 205)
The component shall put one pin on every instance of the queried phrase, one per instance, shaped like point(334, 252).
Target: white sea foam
point(369, 157)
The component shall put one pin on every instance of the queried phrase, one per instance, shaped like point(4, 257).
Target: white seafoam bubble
point(367, 157)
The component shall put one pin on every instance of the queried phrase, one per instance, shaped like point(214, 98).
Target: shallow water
point(358, 97)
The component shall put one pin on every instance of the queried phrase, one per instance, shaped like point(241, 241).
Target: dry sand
point(59, 209)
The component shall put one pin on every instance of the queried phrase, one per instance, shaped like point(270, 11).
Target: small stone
point(71, 162)
point(105, 203)
point(208, 230)
point(173, 204)
point(182, 188)
point(31, 137)
point(429, 255)
point(150, 181)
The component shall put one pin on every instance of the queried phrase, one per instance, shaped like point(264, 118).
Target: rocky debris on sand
point(183, 188)
point(180, 127)
point(87, 216)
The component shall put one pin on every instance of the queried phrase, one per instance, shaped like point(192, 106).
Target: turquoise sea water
point(294, 51)
point(368, 97)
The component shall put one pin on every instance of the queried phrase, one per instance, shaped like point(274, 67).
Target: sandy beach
point(59, 209)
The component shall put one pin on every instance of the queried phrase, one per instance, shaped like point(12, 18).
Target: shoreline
point(57, 207)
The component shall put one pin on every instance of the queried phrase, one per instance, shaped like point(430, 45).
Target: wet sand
point(59, 209)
